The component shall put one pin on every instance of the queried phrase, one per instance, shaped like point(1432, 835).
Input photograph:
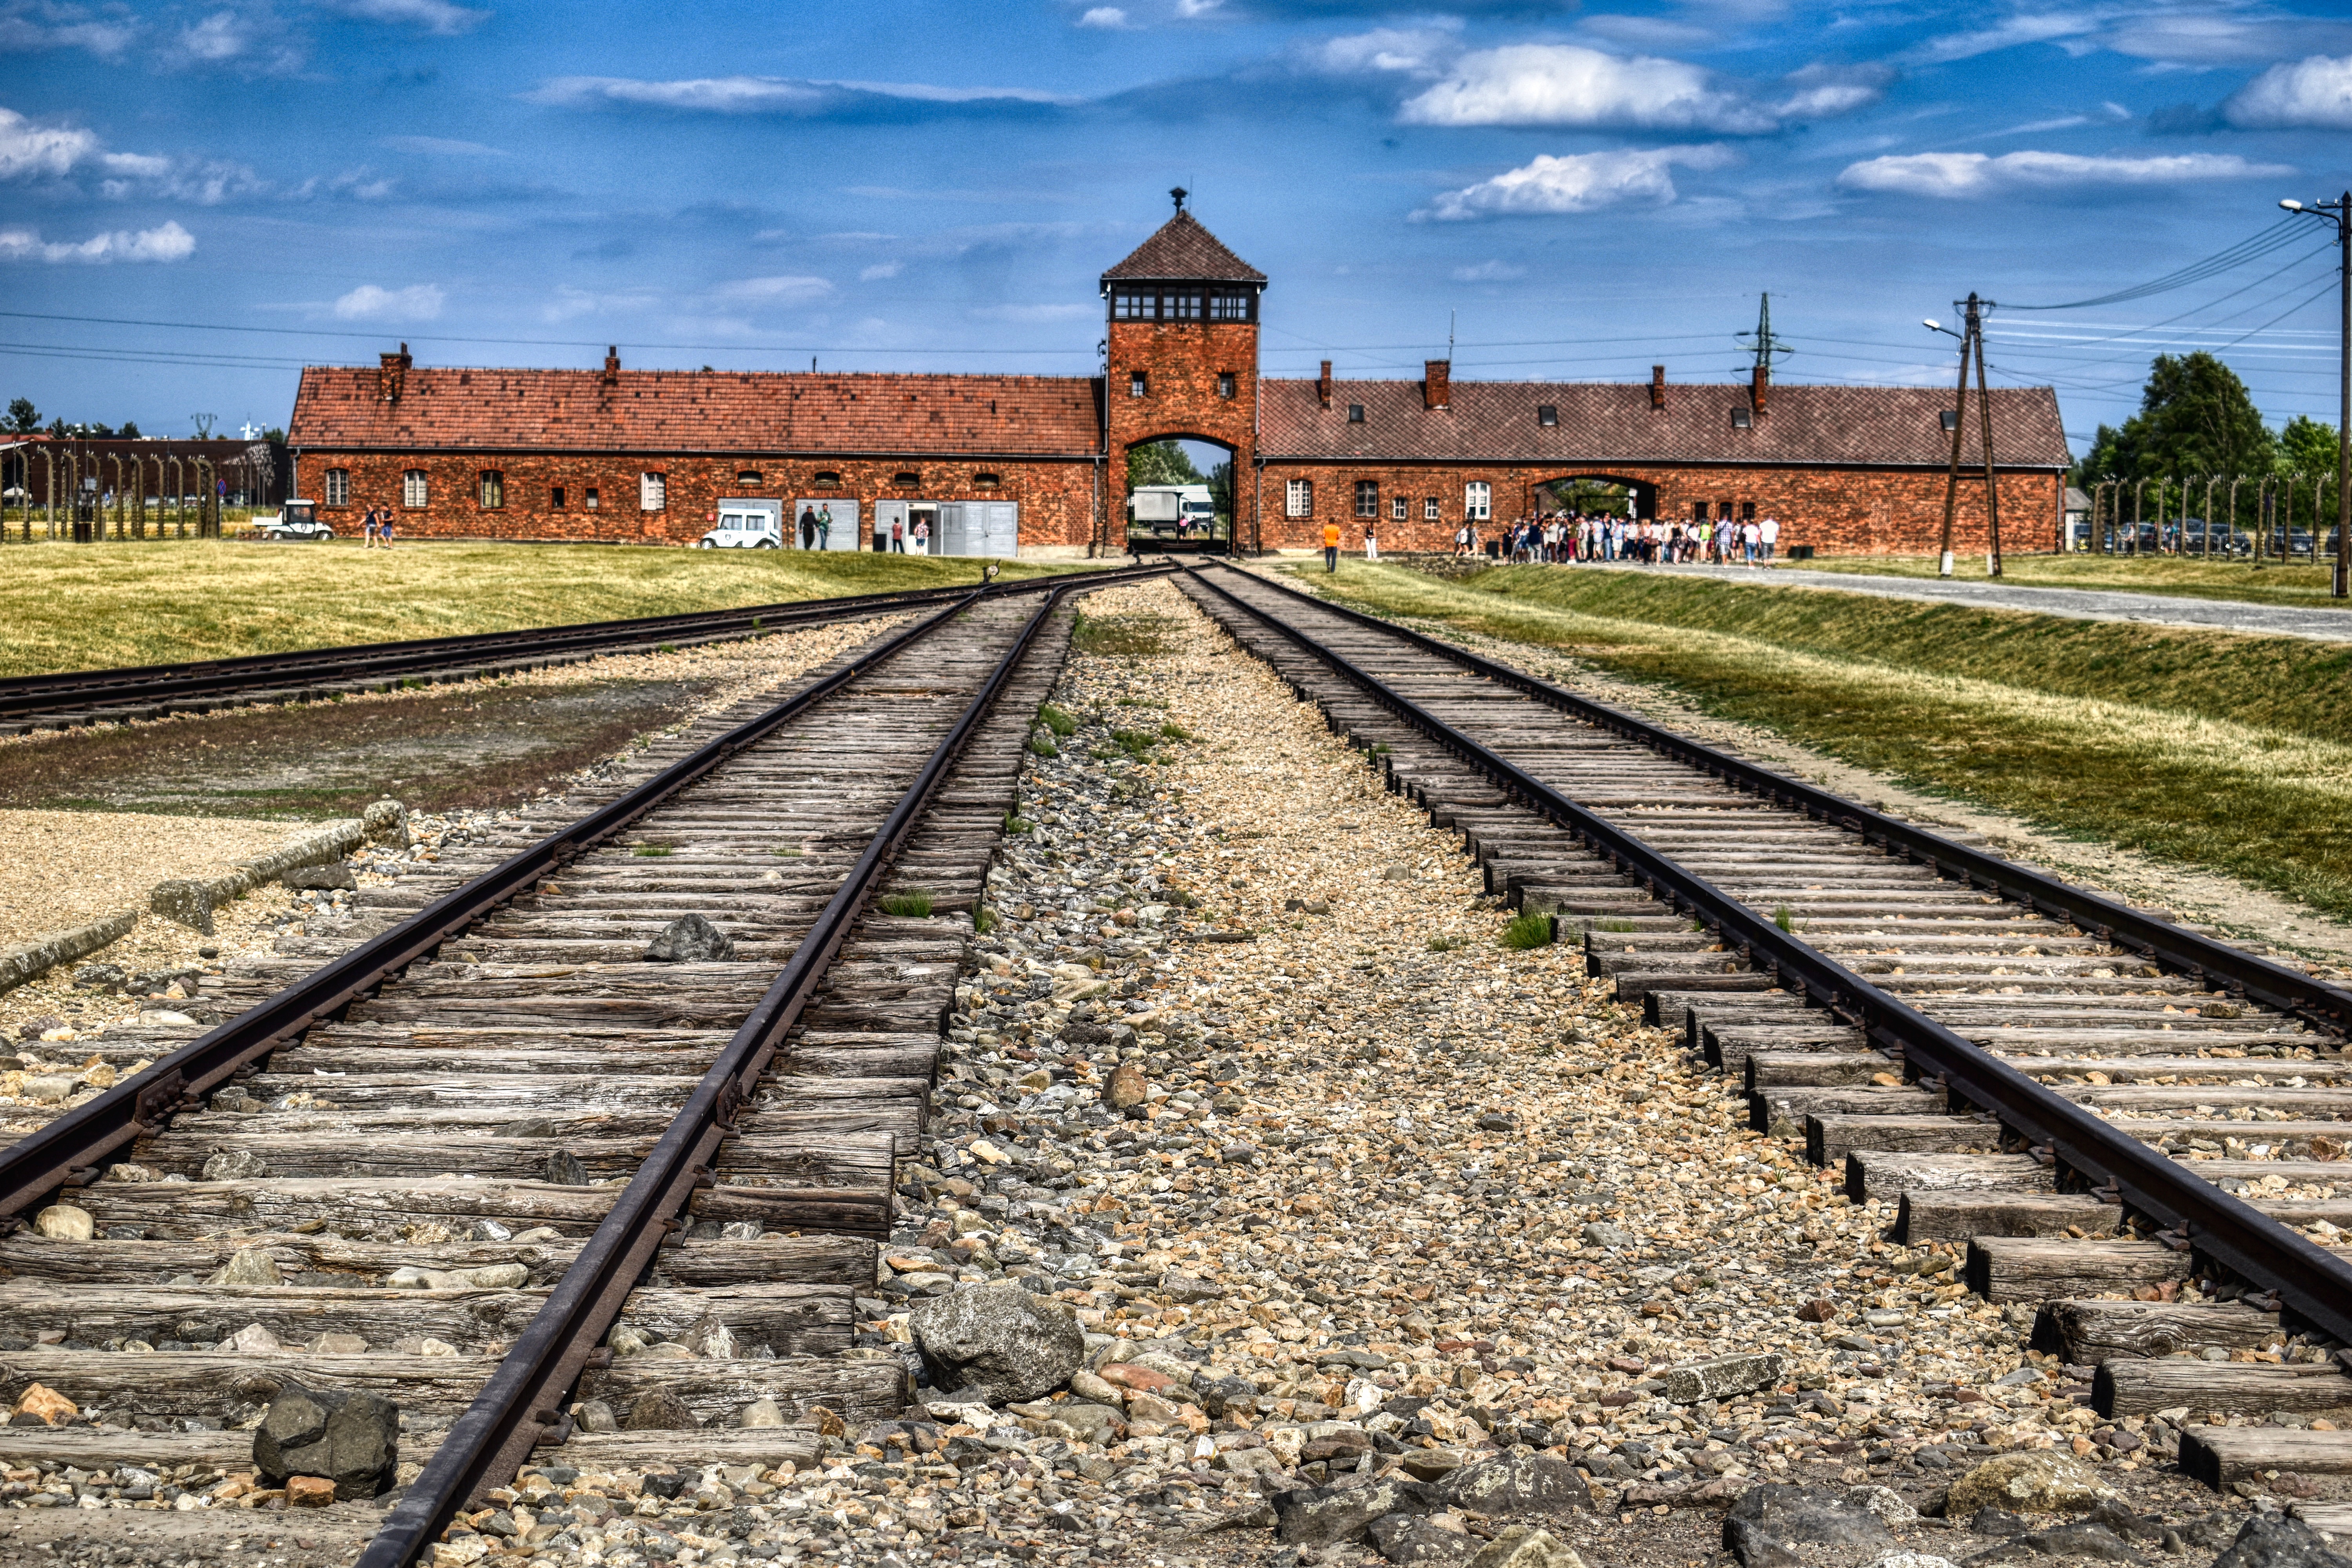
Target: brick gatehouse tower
point(1182, 361)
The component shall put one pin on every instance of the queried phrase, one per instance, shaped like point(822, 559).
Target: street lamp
point(2339, 213)
point(1959, 426)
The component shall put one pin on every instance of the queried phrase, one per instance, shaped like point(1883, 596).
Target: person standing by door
point(897, 536)
point(808, 527)
point(1331, 545)
point(1372, 543)
point(824, 526)
point(922, 537)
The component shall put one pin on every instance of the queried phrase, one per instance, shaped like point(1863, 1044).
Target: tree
point(129, 431)
point(2306, 446)
point(1160, 463)
point(23, 417)
point(2195, 419)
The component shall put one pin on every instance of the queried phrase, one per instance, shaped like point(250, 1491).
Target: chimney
point(1760, 384)
point(611, 364)
point(1436, 384)
point(1323, 385)
point(392, 375)
point(1657, 386)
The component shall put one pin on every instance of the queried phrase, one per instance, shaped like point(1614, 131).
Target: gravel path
point(2073, 604)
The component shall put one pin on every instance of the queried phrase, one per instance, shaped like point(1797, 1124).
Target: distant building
point(649, 456)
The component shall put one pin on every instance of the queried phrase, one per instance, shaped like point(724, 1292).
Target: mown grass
point(2199, 747)
point(93, 606)
point(2182, 576)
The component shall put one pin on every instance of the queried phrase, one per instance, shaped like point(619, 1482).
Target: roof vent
point(1949, 419)
point(611, 364)
point(1547, 414)
point(1355, 414)
point(1741, 419)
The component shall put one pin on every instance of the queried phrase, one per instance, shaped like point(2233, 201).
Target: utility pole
point(1984, 406)
point(1971, 336)
point(2339, 213)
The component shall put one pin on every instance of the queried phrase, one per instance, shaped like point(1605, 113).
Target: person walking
point(1768, 534)
point(808, 527)
point(1750, 537)
point(1462, 538)
point(824, 526)
point(367, 530)
point(1331, 545)
point(383, 532)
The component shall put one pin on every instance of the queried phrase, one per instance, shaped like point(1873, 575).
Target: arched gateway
point(1038, 463)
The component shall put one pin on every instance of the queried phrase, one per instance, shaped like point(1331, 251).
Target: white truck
point(1186, 508)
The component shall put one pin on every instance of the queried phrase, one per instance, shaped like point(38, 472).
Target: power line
point(2259, 244)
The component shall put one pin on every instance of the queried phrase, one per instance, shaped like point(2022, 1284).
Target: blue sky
point(1584, 191)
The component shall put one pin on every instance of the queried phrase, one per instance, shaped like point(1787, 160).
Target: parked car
point(746, 529)
point(296, 520)
point(2297, 540)
point(2227, 540)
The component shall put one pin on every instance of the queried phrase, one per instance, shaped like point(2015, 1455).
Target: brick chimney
point(1657, 386)
point(611, 364)
point(1437, 384)
point(1323, 385)
point(392, 375)
point(1759, 383)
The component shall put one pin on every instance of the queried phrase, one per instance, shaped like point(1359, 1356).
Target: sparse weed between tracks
point(2199, 747)
point(99, 606)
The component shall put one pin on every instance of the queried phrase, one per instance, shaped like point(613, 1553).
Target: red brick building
point(992, 463)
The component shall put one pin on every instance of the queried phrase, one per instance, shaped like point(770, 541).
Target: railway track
point(504, 1166)
point(77, 698)
point(2136, 1131)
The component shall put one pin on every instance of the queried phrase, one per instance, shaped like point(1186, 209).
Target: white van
point(747, 525)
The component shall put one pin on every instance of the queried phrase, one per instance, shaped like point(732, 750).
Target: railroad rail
point(2013, 1060)
point(75, 698)
point(565, 1146)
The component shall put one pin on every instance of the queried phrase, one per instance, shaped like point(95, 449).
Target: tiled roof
point(687, 411)
point(1184, 250)
point(1496, 421)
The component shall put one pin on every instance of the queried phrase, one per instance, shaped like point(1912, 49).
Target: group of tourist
point(1567, 536)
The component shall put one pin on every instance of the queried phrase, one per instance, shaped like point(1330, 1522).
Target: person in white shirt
point(1750, 537)
point(1768, 533)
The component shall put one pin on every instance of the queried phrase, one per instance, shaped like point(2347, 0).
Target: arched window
point(985, 481)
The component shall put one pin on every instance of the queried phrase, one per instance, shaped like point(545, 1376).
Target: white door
point(948, 538)
point(1002, 536)
point(887, 515)
point(846, 533)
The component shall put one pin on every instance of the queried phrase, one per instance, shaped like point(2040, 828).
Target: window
point(1747, 512)
point(1180, 306)
point(1397, 509)
point(985, 481)
point(1129, 305)
point(748, 477)
point(653, 493)
point(1698, 512)
point(1949, 418)
point(338, 486)
point(1368, 498)
point(588, 498)
point(494, 488)
point(555, 498)
point(907, 479)
point(1135, 386)
point(1225, 383)
point(1228, 307)
point(411, 488)
point(1355, 414)
point(1477, 501)
point(1299, 499)
point(1430, 510)
point(1547, 414)
point(1740, 419)
point(826, 478)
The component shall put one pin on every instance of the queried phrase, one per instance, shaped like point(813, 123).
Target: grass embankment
point(100, 605)
point(2225, 752)
point(2180, 576)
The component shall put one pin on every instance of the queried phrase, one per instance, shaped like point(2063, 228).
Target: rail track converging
point(72, 699)
point(2100, 1104)
point(641, 1080)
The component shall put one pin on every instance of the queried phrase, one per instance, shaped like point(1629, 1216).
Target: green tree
point(1160, 463)
point(2306, 446)
point(23, 417)
point(2195, 419)
point(129, 431)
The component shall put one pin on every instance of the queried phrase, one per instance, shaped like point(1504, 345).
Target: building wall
point(1056, 495)
point(1838, 512)
point(1182, 361)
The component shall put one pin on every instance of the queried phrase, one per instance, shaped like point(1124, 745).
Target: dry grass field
point(2205, 748)
point(95, 606)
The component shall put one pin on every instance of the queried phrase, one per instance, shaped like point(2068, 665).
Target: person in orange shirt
point(1331, 546)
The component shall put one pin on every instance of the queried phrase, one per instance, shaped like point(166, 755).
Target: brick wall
point(1056, 497)
point(1838, 512)
point(1182, 363)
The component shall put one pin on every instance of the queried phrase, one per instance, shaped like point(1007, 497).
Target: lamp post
point(1967, 339)
point(2339, 213)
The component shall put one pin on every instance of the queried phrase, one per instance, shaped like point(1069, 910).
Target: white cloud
point(1411, 51)
point(29, 149)
point(428, 16)
point(223, 36)
point(2314, 93)
point(1962, 175)
point(879, 271)
point(418, 302)
point(27, 24)
point(2037, 27)
point(1564, 84)
point(1824, 93)
point(1579, 183)
point(1108, 16)
point(781, 291)
point(1488, 272)
point(169, 242)
point(1646, 32)
point(759, 94)
point(443, 146)
point(1191, 10)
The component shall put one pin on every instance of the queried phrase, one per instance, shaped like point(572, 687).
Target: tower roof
point(1184, 250)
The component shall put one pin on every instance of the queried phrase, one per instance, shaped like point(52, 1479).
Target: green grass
point(88, 606)
point(1128, 635)
point(2201, 748)
point(1527, 931)
point(655, 851)
point(1783, 917)
point(1612, 923)
point(1053, 718)
point(1447, 943)
point(2185, 576)
point(1044, 747)
point(915, 905)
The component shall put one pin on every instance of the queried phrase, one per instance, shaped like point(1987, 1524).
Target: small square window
point(1225, 383)
point(1547, 414)
point(1368, 498)
point(1136, 384)
point(1747, 512)
point(1355, 414)
point(1228, 307)
point(1397, 508)
point(749, 477)
point(588, 498)
point(1949, 418)
point(1430, 510)
point(555, 497)
point(1740, 419)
